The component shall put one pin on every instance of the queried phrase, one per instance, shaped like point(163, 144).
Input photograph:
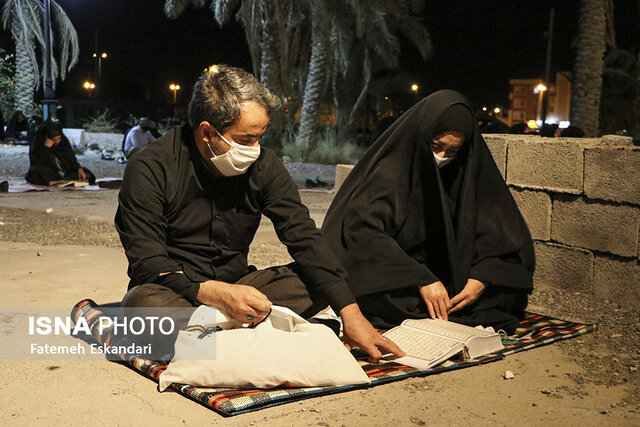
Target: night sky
point(477, 46)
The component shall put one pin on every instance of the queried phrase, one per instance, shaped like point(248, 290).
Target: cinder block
point(617, 280)
point(594, 225)
point(342, 171)
point(612, 174)
point(535, 207)
point(498, 146)
point(563, 267)
point(546, 164)
point(616, 141)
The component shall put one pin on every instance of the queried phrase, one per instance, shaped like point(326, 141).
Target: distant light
point(532, 124)
point(484, 108)
point(539, 88)
point(564, 124)
point(414, 87)
point(497, 110)
point(95, 55)
point(386, 97)
point(174, 86)
point(551, 120)
point(104, 54)
point(89, 85)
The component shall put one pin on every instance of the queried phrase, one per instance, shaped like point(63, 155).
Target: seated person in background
point(52, 158)
point(138, 137)
point(191, 203)
point(426, 226)
point(18, 128)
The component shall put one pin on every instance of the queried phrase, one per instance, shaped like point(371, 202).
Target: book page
point(423, 349)
point(447, 329)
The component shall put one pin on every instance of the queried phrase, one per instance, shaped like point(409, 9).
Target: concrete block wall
point(581, 200)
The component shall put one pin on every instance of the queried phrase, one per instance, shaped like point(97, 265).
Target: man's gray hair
point(219, 93)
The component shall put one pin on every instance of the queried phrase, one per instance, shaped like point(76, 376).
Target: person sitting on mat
point(52, 158)
point(426, 226)
point(191, 203)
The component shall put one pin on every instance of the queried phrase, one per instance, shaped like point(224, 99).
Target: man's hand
point(81, 174)
point(242, 303)
point(358, 332)
point(437, 300)
point(469, 294)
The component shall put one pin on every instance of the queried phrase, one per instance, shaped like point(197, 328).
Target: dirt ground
point(56, 259)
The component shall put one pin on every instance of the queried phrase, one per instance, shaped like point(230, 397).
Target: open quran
point(68, 183)
point(429, 342)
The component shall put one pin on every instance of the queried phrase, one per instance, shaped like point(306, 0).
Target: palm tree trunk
point(315, 79)
point(587, 83)
point(25, 75)
point(270, 59)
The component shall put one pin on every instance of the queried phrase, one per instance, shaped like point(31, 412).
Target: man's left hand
point(469, 294)
point(358, 332)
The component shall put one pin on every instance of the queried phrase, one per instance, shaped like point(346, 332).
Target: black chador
point(399, 222)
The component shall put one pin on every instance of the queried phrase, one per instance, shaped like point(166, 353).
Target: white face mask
point(237, 160)
point(442, 161)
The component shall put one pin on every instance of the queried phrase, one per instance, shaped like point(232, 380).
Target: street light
point(497, 110)
point(540, 89)
point(175, 88)
point(414, 88)
point(100, 57)
point(89, 87)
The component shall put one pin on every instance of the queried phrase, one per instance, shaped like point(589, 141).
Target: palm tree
point(24, 18)
point(620, 91)
point(587, 83)
point(316, 76)
point(272, 41)
point(368, 48)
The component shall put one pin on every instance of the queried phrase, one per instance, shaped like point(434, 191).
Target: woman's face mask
point(446, 146)
point(442, 161)
point(237, 160)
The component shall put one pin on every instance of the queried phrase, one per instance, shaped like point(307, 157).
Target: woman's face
point(448, 144)
point(55, 140)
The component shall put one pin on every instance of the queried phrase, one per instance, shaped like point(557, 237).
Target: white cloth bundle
point(285, 350)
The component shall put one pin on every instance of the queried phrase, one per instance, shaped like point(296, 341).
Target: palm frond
point(174, 8)
point(223, 10)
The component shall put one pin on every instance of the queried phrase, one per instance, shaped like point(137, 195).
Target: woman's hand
point(469, 294)
point(81, 174)
point(437, 300)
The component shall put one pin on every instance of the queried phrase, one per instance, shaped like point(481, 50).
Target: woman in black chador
point(52, 158)
point(426, 226)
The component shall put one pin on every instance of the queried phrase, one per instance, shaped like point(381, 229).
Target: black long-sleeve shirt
point(175, 215)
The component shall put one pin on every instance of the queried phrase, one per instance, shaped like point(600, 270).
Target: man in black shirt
point(190, 205)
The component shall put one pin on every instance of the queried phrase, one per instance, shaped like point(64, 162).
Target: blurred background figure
point(18, 129)
point(549, 130)
point(51, 158)
point(138, 137)
point(572, 132)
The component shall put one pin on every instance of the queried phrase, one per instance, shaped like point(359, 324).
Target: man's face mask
point(442, 161)
point(237, 160)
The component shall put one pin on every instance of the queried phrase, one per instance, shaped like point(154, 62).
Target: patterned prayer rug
point(534, 331)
